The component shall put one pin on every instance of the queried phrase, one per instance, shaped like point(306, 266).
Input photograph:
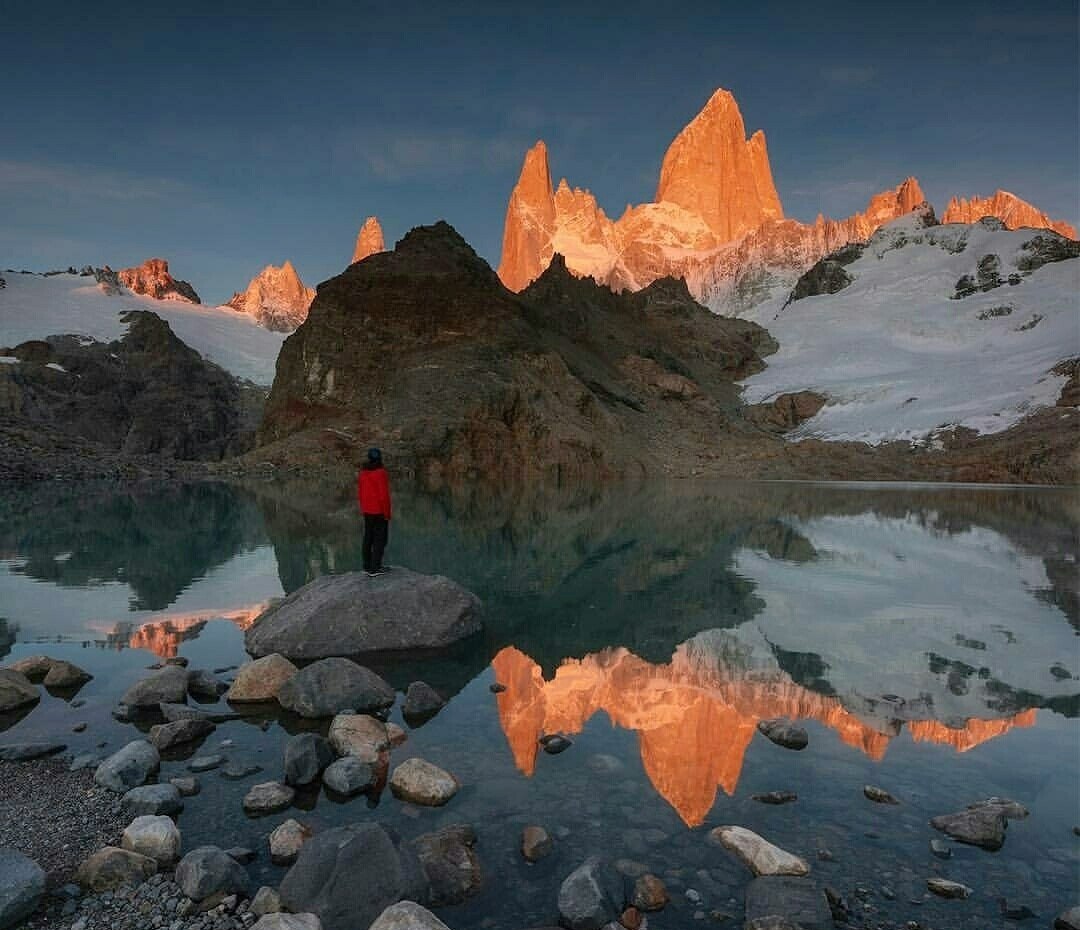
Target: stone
point(1010, 810)
point(288, 922)
point(63, 674)
point(166, 735)
point(306, 755)
point(407, 915)
point(354, 614)
point(154, 836)
point(422, 702)
point(396, 735)
point(631, 918)
point(22, 883)
point(174, 712)
point(182, 661)
point(775, 797)
point(784, 733)
point(980, 826)
point(878, 795)
point(359, 735)
point(350, 775)
point(796, 900)
point(236, 769)
point(940, 849)
point(266, 901)
point(26, 752)
point(187, 785)
point(536, 843)
point(286, 840)
point(555, 743)
point(209, 870)
point(757, 853)
point(129, 767)
point(329, 686)
point(166, 686)
point(450, 864)
point(16, 690)
point(206, 763)
point(268, 797)
point(260, 680)
point(349, 875)
point(650, 893)
point(205, 686)
point(421, 782)
point(242, 854)
point(112, 867)
point(944, 888)
point(153, 799)
point(1068, 920)
point(35, 668)
point(591, 896)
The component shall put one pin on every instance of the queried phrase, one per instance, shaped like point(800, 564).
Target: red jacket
point(373, 491)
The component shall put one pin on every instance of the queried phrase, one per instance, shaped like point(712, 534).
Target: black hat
point(374, 455)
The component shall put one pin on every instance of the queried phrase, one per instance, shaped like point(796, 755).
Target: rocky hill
point(152, 279)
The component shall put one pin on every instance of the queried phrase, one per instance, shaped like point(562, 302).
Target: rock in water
point(944, 888)
point(536, 843)
point(784, 733)
point(205, 686)
point(25, 752)
point(554, 743)
point(350, 775)
point(797, 901)
point(775, 797)
point(16, 690)
point(35, 668)
point(286, 841)
point(153, 799)
point(128, 767)
point(591, 896)
point(165, 735)
point(112, 867)
point(166, 686)
point(306, 755)
point(353, 614)
point(208, 870)
point(757, 853)
point(261, 680)
point(154, 836)
point(268, 797)
point(878, 795)
point(266, 901)
point(63, 674)
point(359, 735)
point(328, 686)
point(650, 893)
point(288, 922)
point(1010, 810)
point(450, 864)
point(420, 782)
point(349, 875)
point(407, 915)
point(1068, 920)
point(22, 883)
point(980, 826)
point(422, 702)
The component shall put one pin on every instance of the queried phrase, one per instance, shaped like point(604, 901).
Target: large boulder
point(34, 668)
point(328, 686)
point(422, 702)
point(982, 826)
point(153, 836)
point(16, 690)
point(128, 767)
point(22, 883)
point(261, 680)
point(591, 896)
point(349, 875)
point(306, 755)
point(353, 614)
point(62, 674)
point(209, 870)
point(407, 915)
point(783, 897)
point(112, 867)
point(169, 685)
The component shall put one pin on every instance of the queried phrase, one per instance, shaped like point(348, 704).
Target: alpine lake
point(926, 638)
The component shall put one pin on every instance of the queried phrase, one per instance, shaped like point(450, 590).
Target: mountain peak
point(276, 298)
point(530, 220)
point(369, 240)
point(1007, 207)
point(152, 279)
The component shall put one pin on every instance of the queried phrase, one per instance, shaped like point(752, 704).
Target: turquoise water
point(926, 637)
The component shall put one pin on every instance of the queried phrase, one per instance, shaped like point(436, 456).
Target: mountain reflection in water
point(163, 636)
point(695, 716)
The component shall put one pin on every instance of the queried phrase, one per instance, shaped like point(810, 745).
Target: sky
point(224, 141)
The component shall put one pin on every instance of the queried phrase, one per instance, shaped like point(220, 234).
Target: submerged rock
point(268, 797)
point(591, 896)
point(353, 614)
point(757, 853)
point(536, 843)
point(878, 795)
point(650, 893)
point(784, 733)
point(980, 826)
point(785, 898)
point(332, 685)
point(944, 888)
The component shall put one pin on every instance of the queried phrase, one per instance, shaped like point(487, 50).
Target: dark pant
point(376, 533)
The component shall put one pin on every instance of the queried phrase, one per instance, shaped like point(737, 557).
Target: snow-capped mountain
point(717, 220)
point(927, 326)
point(33, 306)
point(276, 298)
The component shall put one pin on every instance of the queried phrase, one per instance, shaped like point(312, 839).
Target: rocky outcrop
point(369, 240)
point(276, 298)
point(1010, 209)
point(354, 614)
point(152, 279)
point(530, 222)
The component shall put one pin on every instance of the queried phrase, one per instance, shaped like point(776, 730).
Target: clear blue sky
point(223, 142)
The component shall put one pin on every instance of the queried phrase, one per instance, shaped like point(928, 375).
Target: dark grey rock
point(187, 785)
point(422, 702)
point(16, 690)
point(206, 763)
point(450, 864)
point(236, 769)
point(22, 883)
point(784, 733)
point(268, 797)
point(205, 686)
point(775, 797)
point(332, 685)
point(878, 795)
point(153, 799)
point(64, 675)
point(165, 735)
point(980, 826)
point(209, 870)
point(241, 854)
point(797, 900)
point(112, 867)
point(129, 767)
point(1068, 920)
point(306, 755)
point(555, 743)
point(166, 686)
point(353, 614)
point(24, 752)
point(350, 775)
point(591, 896)
point(349, 875)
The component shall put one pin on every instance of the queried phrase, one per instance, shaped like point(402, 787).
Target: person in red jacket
point(373, 496)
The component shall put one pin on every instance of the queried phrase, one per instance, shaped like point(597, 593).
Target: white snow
point(8, 360)
point(55, 366)
point(899, 360)
point(34, 306)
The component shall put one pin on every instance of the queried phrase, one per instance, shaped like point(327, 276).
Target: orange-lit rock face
point(369, 240)
point(1008, 208)
point(163, 637)
point(694, 717)
point(714, 172)
point(530, 222)
point(276, 298)
point(152, 278)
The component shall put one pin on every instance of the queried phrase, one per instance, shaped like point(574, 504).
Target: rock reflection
point(696, 715)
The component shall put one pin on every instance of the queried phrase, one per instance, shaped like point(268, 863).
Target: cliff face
point(1008, 208)
point(276, 298)
point(152, 278)
point(369, 240)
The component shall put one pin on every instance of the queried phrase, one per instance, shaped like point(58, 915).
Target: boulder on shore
point(128, 767)
point(22, 883)
point(353, 614)
point(16, 690)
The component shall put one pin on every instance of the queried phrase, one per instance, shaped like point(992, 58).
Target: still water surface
point(925, 637)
